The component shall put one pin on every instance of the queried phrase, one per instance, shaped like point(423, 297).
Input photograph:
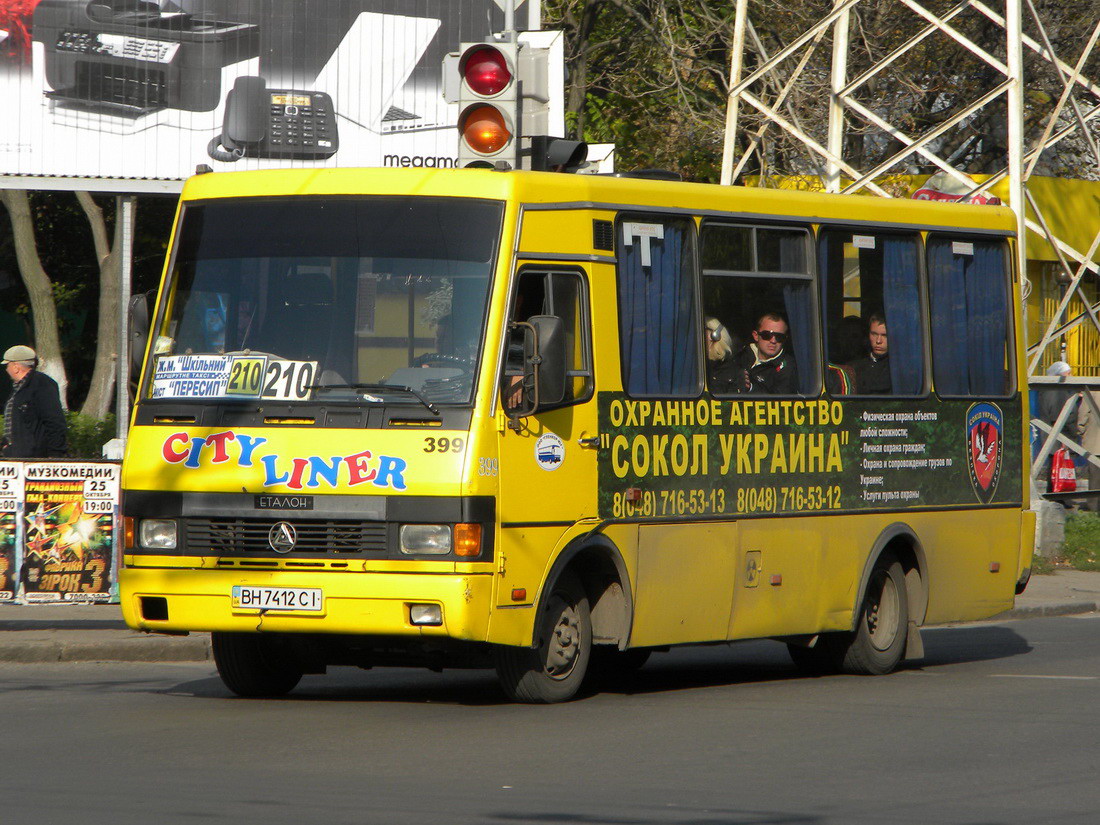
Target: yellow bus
point(550, 423)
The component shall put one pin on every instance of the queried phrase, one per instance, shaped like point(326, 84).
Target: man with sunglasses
point(768, 367)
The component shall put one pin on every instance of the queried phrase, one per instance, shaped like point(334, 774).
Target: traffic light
point(552, 154)
point(488, 98)
point(502, 89)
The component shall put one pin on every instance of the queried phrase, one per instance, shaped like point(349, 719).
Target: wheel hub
point(882, 614)
point(564, 645)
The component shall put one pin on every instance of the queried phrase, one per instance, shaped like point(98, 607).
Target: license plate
point(298, 599)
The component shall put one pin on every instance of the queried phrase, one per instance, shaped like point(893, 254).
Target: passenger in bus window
point(722, 370)
point(767, 365)
point(873, 370)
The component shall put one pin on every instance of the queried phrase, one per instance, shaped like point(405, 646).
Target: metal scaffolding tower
point(765, 82)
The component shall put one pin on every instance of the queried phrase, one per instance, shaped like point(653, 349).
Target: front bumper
point(367, 603)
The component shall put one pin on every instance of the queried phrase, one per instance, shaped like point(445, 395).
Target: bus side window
point(658, 317)
point(872, 302)
point(562, 294)
point(757, 282)
point(968, 290)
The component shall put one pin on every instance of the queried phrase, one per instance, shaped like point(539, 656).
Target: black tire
point(252, 665)
point(878, 643)
point(555, 670)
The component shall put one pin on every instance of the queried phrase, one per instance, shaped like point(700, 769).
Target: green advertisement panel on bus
point(737, 457)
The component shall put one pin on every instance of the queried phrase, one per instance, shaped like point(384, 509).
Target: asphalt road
point(999, 724)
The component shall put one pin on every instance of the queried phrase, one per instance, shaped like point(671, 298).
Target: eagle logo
point(985, 438)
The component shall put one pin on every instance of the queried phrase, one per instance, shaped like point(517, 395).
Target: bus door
point(547, 461)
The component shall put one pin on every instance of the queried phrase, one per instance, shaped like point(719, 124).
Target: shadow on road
point(970, 643)
point(689, 668)
point(700, 818)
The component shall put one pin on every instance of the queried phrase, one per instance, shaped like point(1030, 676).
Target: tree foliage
point(652, 76)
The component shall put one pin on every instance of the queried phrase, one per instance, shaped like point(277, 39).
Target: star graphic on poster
point(76, 535)
point(37, 546)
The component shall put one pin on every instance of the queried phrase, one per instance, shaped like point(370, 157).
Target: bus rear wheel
point(251, 665)
point(878, 643)
point(554, 670)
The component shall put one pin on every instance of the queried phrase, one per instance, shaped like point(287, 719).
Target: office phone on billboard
point(275, 123)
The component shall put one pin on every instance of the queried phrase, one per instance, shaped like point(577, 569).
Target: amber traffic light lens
point(484, 130)
point(486, 71)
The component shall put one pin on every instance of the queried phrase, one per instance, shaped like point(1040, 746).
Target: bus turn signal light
point(467, 540)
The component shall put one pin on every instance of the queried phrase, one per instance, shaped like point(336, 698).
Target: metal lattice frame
point(769, 87)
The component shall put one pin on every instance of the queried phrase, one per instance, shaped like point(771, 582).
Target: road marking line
point(1040, 676)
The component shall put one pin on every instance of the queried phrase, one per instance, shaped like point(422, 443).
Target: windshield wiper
point(379, 388)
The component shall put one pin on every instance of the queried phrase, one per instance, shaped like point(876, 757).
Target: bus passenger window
point(874, 332)
point(760, 330)
point(968, 289)
point(542, 292)
point(658, 319)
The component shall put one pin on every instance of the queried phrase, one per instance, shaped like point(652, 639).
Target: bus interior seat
point(303, 321)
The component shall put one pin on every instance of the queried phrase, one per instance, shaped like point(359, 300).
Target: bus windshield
point(356, 299)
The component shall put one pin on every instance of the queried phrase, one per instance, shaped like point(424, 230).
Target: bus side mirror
point(542, 338)
point(549, 365)
point(138, 335)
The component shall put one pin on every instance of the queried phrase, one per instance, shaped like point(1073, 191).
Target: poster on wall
point(145, 89)
point(11, 496)
point(69, 516)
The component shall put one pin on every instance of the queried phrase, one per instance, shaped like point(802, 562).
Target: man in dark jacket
point(766, 364)
point(34, 423)
point(873, 370)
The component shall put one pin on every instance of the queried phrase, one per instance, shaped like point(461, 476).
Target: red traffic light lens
point(486, 71)
point(485, 130)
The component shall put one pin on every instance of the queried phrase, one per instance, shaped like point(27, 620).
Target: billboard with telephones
point(146, 90)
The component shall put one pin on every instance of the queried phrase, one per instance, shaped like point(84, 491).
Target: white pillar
point(124, 213)
point(838, 81)
point(733, 102)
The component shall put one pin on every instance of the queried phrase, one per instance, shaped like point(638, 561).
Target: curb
point(1063, 609)
point(136, 649)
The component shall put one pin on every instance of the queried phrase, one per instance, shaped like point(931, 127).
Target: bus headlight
point(426, 539)
point(426, 614)
point(157, 534)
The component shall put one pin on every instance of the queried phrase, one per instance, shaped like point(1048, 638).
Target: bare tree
point(47, 341)
point(101, 392)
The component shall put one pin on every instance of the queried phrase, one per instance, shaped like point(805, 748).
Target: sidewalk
point(96, 633)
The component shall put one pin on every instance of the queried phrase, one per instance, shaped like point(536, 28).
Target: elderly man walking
point(34, 423)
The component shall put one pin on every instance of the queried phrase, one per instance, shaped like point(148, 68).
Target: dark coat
point(872, 375)
point(1051, 401)
point(725, 377)
point(779, 376)
point(38, 423)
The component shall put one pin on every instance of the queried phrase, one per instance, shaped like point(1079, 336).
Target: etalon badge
point(282, 537)
point(984, 437)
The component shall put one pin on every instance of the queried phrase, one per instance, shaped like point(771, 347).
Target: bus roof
point(600, 191)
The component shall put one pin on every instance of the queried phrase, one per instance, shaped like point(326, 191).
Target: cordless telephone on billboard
point(275, 123)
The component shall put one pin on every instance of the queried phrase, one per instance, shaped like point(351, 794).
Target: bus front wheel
point(252, 665)
point(554, 670)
